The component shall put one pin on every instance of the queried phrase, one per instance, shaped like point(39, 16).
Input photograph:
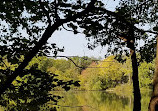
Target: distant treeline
point(96, 75)
point(93, 74)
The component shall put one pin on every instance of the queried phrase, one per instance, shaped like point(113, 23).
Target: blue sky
point(76, 45)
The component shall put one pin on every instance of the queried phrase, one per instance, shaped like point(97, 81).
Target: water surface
point(99, 101)
point(95, 101)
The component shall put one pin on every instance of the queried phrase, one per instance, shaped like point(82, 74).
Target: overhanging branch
point(46, 35)
point(121, 18)
point(81, 66)
point(80, 14)
point(70, 60)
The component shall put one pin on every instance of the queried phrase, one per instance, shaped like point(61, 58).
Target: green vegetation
point(31, 89)
point(97, 75)
point(110, 73)
point(44, 75)
point(105, 74)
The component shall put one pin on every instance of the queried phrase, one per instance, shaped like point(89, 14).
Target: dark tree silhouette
point(45, 36)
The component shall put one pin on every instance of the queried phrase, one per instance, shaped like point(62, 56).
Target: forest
point(96, 74)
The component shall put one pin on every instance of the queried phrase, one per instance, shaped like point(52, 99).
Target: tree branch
point(46, 35)
point(70, 30)
point(80, 14)
point(56, 11)
point(46, 12)
point(68, 59)
point(149, 31)
point(121, 18)
point(78, 65)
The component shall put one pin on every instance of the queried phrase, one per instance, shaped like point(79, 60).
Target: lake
point(99, 101)
point(96, 101)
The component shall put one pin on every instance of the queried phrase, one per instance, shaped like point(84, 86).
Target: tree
point(103, 75)
point(90, 78)
point(32, 88)
point(20, 13)
point(146, 14)
point(13, 12)
point(112, 72)
point(125, 27)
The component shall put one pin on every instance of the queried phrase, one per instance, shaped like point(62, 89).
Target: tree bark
point(136, 90)
point(153, 105)
point(130, 39)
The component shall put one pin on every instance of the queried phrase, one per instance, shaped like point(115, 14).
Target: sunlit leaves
point(146, 73)
point(33, 89)
point(104, 74)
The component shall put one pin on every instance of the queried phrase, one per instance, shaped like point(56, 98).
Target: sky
point(76, 44)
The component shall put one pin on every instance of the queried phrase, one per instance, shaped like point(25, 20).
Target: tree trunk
point(47, 34)
point(153, 105)
point(130, 39)
point(136, 90)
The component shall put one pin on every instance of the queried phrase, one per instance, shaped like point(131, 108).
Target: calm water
point(99, 101)
point(96, 101)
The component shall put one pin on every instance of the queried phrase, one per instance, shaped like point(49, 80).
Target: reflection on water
point(99, 101)
point(96, 101)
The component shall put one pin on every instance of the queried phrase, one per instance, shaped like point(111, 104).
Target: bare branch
point(149, 31)
point(78, 65)
point(70, 60)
